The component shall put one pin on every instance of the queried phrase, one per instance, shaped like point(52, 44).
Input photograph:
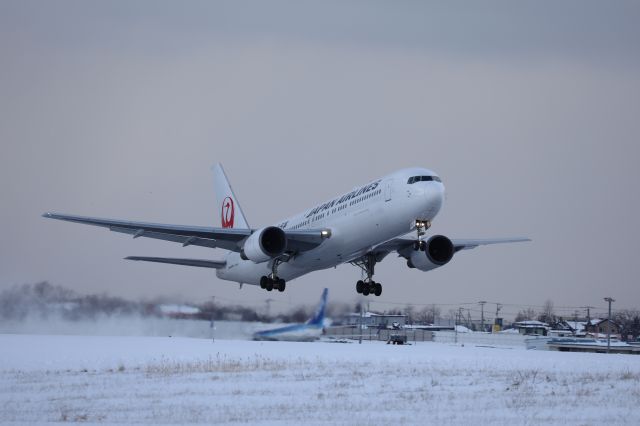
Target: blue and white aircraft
point(309, 331)
point(360, 227)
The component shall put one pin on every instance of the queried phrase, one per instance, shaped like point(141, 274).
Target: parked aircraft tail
point(231, 215)
point(318, 317)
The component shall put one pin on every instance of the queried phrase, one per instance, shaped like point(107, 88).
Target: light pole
point(361, 322)
point(459, 318)
point(213, 326)
point(482, 302)
point(610, 300)
point(495, 321)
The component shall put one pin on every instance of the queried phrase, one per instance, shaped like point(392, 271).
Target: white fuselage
point(359, 220)
point(292, 333)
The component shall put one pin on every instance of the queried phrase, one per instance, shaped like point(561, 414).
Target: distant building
point(593, 328)
point(576, 327)
point(600, 328)
point(374, 320)
point(532, 327)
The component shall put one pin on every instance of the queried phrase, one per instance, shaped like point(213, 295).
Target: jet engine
point(438, 251)
point(264, 244)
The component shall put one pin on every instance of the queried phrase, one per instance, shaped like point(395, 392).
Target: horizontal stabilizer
point(215, 264)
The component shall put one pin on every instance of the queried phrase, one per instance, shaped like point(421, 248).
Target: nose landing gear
point(421, 228)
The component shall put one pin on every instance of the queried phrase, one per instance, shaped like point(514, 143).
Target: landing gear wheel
point(269, 285)
point(263, 282)
point(367, 264)
point(281, 285)
point(378, 289)
point(423, 245)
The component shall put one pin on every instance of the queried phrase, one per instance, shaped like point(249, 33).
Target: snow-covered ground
point(155, 380)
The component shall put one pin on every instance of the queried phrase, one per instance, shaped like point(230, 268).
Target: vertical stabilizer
point(318, 317)
point(229, 210)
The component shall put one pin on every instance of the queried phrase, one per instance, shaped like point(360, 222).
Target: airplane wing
point(403, 244)
point(471, 244)
point(225, 238)
point(215, 264)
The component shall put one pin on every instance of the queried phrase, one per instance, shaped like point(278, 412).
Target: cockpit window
point(414, 179)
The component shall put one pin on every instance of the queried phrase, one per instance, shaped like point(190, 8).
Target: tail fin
point(231, 215)
point(318, 317)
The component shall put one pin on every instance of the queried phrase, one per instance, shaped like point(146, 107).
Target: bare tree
point(548, 314)
point(428, 314)
point(410, 313)
point(525, 314)
point(629, 322)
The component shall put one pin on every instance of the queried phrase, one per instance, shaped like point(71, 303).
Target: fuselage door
point(387, 189)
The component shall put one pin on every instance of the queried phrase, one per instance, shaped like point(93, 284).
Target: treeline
point(627, 319)
point(44, 300)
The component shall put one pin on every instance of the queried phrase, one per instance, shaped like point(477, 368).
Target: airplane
point(360, 227)
point(310, 330)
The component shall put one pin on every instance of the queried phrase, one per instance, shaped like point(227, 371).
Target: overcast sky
point(530, 112)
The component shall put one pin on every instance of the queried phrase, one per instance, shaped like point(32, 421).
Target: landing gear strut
point(421, 228)
point(272, 282)
point(368, 286)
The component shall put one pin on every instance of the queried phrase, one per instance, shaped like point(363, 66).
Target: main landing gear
point(368, 286)
point(421, 228)
point(272, 282)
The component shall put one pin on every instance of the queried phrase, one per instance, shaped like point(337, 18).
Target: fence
point(382, 334)
point(491, 339)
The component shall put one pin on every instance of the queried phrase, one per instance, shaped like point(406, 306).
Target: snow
point(151, 380)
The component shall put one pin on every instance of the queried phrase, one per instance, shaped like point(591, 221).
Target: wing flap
point(182, 239)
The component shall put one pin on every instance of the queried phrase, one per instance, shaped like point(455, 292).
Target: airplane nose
point(434, 195)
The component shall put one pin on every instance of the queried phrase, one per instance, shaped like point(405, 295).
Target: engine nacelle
point(264, 245)
point(439, 250)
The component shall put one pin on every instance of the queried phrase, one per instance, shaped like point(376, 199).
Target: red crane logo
point(228, 211)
